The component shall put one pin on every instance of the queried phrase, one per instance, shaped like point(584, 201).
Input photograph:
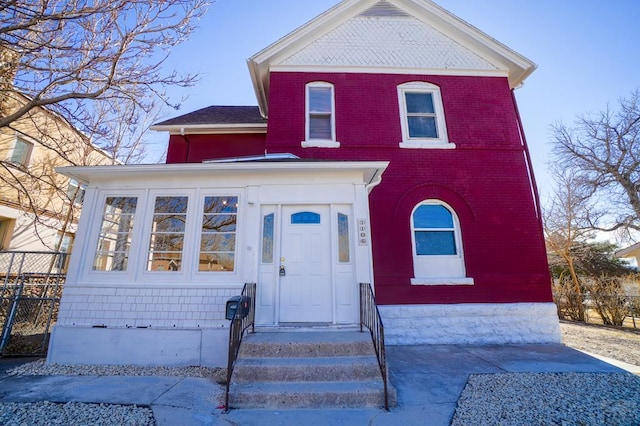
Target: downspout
point(527, 155)
point(186, 139)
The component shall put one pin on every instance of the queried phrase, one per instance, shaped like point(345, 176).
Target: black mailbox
point(239, 305)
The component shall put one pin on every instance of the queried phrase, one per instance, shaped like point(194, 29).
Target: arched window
point(437, 245)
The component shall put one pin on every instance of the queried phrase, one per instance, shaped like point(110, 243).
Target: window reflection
point(167, 234)
point(218, 234)
point(434, 231)
point(114, 241)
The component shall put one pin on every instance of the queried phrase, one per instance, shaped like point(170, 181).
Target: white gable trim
point(385, 70)
point(518, 67)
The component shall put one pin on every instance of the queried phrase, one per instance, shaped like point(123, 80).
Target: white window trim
point(205, 276)
point(459, 257)
point(90, 275)
point(31, 143)
point(320, 143)
point(442, 142)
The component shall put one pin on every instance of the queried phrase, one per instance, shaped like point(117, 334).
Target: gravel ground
point(79, 414)
point(488, 399)
point(585, 399)
point(612, 342)
point(74, 414)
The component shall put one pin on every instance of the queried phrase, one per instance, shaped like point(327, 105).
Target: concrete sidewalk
point(428, 378)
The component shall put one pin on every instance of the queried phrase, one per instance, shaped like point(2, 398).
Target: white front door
point(305, 265)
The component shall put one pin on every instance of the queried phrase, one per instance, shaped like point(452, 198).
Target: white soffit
point(371, 170)
point(388, 36)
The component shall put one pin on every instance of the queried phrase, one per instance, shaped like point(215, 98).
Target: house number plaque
point(363, 237)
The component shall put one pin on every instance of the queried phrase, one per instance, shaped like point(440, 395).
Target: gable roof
point(215, 117)
point(387, 36)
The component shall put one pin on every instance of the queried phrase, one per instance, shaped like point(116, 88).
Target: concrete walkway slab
point(543, 358)
point(429, 381)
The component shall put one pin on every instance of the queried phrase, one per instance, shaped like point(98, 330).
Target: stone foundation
point(482, 323)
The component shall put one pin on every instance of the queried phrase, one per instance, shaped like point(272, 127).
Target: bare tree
point(603, 150)
point(566, 227)
point(75, 74)
point(62, 54)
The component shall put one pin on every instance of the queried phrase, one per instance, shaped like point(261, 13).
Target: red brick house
point(386, 147)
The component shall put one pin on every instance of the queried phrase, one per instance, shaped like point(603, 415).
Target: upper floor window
point(21, 154)
point(320, 126)
point(422, 116)
point(437, 245)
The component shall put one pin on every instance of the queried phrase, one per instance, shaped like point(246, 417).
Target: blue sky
point(587, 52)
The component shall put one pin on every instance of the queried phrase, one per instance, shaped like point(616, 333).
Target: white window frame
point(135, 254)
point(439, 269)
point(27, 158)
point(442, 141)
point(314, 142)
point(188, 251)
point(194, 267)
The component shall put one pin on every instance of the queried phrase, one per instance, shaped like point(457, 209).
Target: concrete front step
point(297, 344)
point(307, 369)
point(361, 367)
point(279, 395)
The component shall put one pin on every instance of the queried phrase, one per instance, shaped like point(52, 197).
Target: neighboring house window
point(6, 228)
point(114, 242)
point(422, 116)
point(166, 243)
point(75, 191)
point(21, 154)
point(437, 245)
point(63, 244)
point(320, 116)
point(218, 234)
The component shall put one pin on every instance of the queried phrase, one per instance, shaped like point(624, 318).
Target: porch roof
point(371, 170)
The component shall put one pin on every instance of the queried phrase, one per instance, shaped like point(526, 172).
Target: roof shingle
point(218, 115)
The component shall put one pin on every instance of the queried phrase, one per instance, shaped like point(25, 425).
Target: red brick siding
point(206, 147)
point(485, 180)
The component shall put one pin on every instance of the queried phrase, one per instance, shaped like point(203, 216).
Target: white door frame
point(343, 291)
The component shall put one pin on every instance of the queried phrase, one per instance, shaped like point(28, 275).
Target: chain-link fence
point(30, 290)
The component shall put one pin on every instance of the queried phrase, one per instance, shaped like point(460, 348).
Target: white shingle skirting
point(483, 323)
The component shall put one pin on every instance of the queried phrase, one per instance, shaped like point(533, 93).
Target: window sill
point(320, 143)
point(442, 281)
point(427, 145)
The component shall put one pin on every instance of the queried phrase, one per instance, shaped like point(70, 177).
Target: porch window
point(218, 234)
point(166, 243)
point(114, 242)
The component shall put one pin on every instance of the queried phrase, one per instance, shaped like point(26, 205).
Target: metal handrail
point(370, 318)
point(243, 319)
